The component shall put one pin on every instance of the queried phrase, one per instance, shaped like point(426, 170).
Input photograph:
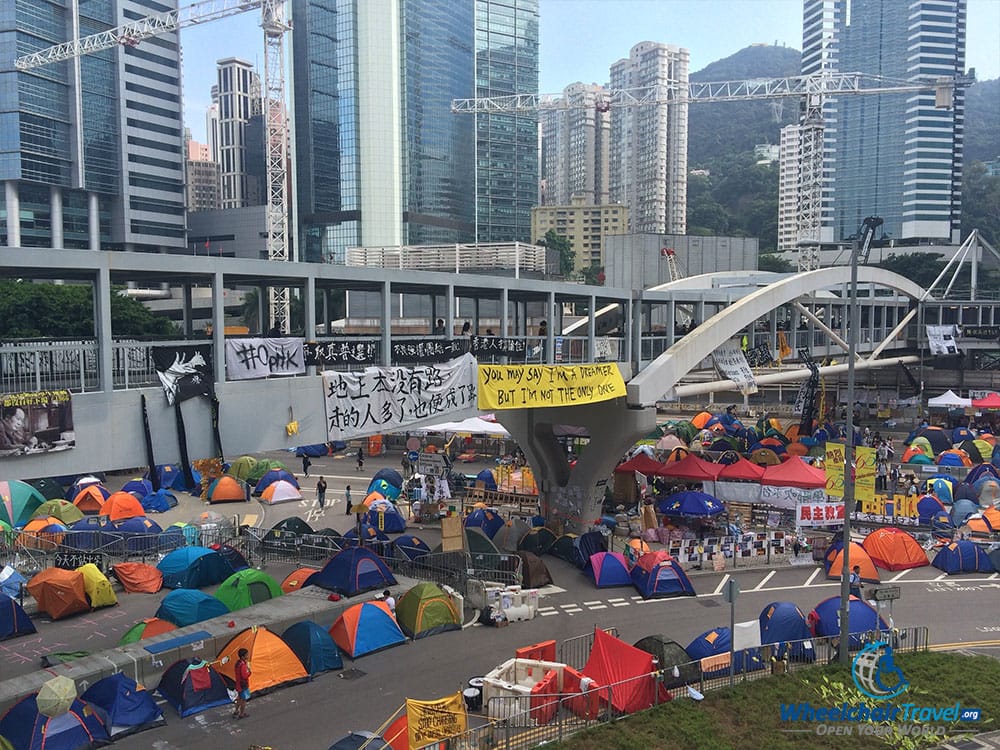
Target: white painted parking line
point(619, 604)
point(617, 599)
point(638, 599)
point(992, 576)
point(900, 576)
point(718, 589)
point(596, 601)
point(546, 614)
point(767, 578)
point(811, 578)
point(575, 611)
point(598, 606)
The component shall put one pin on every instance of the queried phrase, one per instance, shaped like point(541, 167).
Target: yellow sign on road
point(534, 386)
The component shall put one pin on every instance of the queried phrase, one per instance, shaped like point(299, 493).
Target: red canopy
point(794, 473)
point(641, 463)
point(742, 469)
point(989, 401)
point(691, 467)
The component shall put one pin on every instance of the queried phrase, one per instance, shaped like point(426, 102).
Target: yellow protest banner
point(431, 721)
point(532, 386)
point(864, 474)
point(834, 467)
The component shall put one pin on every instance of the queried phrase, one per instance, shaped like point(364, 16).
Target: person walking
point(361, 460)
point(321, 493)
point(241, 676)
point(306, 463)
point(855, 581)
point(347, 499)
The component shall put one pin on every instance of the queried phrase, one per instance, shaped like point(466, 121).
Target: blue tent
point(14, 621)
point(314, 646)
point(123, 706)
point(365, 628)
point(983, 470)
point(488, 521)
point(784, 625)
point(138, 487)
point(862, 618)
point(942, 488)
point(608, 569)
point(24, 727)
point(233, 556)
point(140, 533)
point(716, 642)
point(353, 571)
point(370, 534)
point(942, 528)
point(927, 506)
point(186, 607)
point(159, 502)
point(11, 582)
point(391, 476)
point(489, 481)
point(410, 547)
point(188, 533)
point(193, 567)
point(960, 434)
point(963, 556)
point(170, 477)
point(387, 521)
point(357, 740)
point(89, 533)
point(271, 476)
point(691, 503)
point(664, 578)
point(961, 510)
point(192, 686)
point(589, 544)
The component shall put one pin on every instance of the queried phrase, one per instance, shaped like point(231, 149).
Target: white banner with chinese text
point(731, 361)
point(819, 514)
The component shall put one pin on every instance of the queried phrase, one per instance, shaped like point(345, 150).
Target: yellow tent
point(97, 586)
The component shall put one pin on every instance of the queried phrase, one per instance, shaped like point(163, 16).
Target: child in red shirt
point(242, 678)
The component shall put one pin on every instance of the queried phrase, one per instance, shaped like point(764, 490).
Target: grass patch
point(748, 714)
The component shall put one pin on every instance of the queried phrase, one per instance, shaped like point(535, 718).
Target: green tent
point(684, 430)
point(49, 488)
point(262, 467)
point(426, 610)
point(18, 501)
point(247, 587)
point(242, 467)
point(64, 510)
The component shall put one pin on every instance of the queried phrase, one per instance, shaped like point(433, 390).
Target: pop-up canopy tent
point(949, 400)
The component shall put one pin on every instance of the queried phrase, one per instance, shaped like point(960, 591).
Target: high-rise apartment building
point(202, 175)
point(649, 143)
point(788, 187)
point(238, 97)
point(893, 155)
point(380, 157)
point(575, 148)
point(584, 224)
point(92, 149)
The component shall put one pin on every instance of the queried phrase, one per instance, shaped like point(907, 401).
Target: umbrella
point(690, 504)
point(56, 696)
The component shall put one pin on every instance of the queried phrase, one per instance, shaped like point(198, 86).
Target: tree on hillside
point(567, 255)
point(981, 203)
point(775, 263)
point(40, 310)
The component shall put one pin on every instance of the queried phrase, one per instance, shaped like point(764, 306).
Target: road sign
point(412, 456)
point(430, 463)
point(887, 593)
point(731, 590)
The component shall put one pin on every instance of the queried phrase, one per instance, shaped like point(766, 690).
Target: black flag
point(154, 475)
point(215, 427)
point(182, 441)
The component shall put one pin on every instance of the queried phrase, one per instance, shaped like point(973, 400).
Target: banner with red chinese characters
point(819, 514)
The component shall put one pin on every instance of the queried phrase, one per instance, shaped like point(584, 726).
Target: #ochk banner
point(534, 386)
point(247, 359)
point(432, 721)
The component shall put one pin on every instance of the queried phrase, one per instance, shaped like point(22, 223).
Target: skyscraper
point(237, 96)
point(649, 143)
point(91, 149)
point(892, 155)
point(575, 143)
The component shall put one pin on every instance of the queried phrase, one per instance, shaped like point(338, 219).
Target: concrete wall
point(246, 226)
point(634, 261)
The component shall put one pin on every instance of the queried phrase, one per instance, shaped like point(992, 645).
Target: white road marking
point(546, 614)
point(898, 577)
point(620, 604)
point(941, 577)
point(598, 606)
point(596, 601)
point(767, 578)
point(811, 578)
point(718, 589)
point(993, 575)
point(617, 599)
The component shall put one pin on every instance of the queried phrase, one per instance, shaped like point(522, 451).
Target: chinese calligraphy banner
point(834, 467)
point(383, 399)
point(731, 361)
point(864, 474)
point(184, 371)
point(247, 359)
point(819, 514)
point(941, 340)
point(36, 422)
point(499, 346)
point(519, 386)
point(428, 351)
point(432, 721)
point(332, 353)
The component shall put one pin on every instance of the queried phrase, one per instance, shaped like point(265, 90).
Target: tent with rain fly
point(272, 661)
point(272, 476)
point(365, 628)
point(368, 533)
point(123, 705)
point(657, 575)
point(510, 534)
point(894, 549)
point(410, 547)
point(246, 588)
point(716, 642)
point(607, 569)
point(486, 520)
point(963, 556)
point(671, 655)
point(938, 437)
point(614, 663)
point(261, 468)
point(353, 571)
point(313, 646)
point(227, 489)
point(139, 534)
point(59, 593)
point(537, 541)
point(534, 573)
point(64, 510)
point(159, 502)
point(42, 533)
point(84, 481)
point(185, 607)
point(242, 467)
point(824, 621)
point(139, 487)
point(389, 521)
point(18, 502)
point(953, 457)
point(192, 686)
point(427, 610)
point(280, 491)
point(14, 621)
point(783, 625)
point(193, 567)
point(120, 505)
point(858, 556)
point(26, 727)
point(137, 577)
point(11, 582)
point(146, 628)
point(564, 547)
point(927, 507)
point(97, 586)
point(297, 579)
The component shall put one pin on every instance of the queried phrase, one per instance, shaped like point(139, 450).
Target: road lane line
point(620, 604)
point(718, 589)
point(766, 578)
point(595, 601)
point(898, 577)
point(598, 606)
point(811, 578)
point(941, 577)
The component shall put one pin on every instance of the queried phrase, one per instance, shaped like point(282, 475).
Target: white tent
point(948, 400)
point(472, 425)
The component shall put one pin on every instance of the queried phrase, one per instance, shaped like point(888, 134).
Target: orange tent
point(42, 533)
point(913, 450)
point(296, 579)
point(797, 449)
point(992, 516)
point(90, 498)
point(227, 489)
point(701, 419)
point(977, 525)
point(858, 557)
point(272, 661)
point(122, 505)
point(893, 549)
point(146, 628)
point(371, 497)
point(59, 592)
point(137, 577)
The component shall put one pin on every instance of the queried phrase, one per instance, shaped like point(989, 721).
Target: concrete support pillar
point(573, 497)
point(449, 312)
point(102, 329)
point(219, 326)
point(503, 329)
point(385, 297)
point(592, 329)
point(93, 221)
point(187, 311)
point(56, 216)
point(550, 336)
point(309, 294)
point(263, 319)
point(635, 334)
point(326, 312)
point(12, 204)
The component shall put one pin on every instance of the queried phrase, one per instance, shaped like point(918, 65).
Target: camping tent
point(64, 510)
point(242, 467)
point(193, 567)
point(272, 476)
point(894, 549)
point(949, 400)
point(716, 642)
point(927, 507)
point(488, 521)
point(353, 571)
point(614, 663)
point(365, 628)
point(370, 534)
point(297, 579)
point(858, 556)
point(564, 547)
point(11, 581)
point(534, 573)
point(313, 646)
point(589, 543)
point(121, 505)
point(97, 586)
point(159, 502)
point(963, 557)
point(59, 592)
point(14, 621)
point(136, 577)
point(138, 486)
point(185, 607)
point(192, 686)
point(670, 654)
point(246, 588)
point(658, 575)
point(168, 476)
point(608, 569)
point(227, 489)
point(280, 491)
point(510, 535)
point(49, 488)
point(146, 628)
point(232, 555)
point(124, 707)
point(411, 547)
point(784, 625)
point(426, 610)
point(272, 661)
point(538, 540)
point(862, 617)
point(388, 521)
point(18, 501)
point(25, 727)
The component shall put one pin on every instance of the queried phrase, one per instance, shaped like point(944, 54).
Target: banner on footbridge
point(536, 386)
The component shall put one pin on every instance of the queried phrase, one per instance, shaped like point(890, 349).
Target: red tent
point(641, 463)
point(742, 469)
point(691, 467)
point(989, 401)
point(794, 473)
point(615, 663)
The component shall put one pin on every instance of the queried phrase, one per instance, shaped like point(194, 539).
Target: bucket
point(473, 698)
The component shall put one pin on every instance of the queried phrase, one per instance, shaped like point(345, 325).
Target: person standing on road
point(306, 463)
point(321, 492)
point(347, 499)
point(855, 581)
point(241, 675)
point(361, 460)
point(390, 601)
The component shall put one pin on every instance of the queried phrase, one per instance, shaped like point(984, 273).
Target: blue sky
point(580, 39)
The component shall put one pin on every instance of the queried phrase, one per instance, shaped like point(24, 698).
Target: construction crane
point(814, 90)
point(273, 93)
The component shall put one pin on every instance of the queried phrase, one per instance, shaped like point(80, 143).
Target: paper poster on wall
point(731, 361)
point(184, 371)
point(383, 399)
point(941, 340)
point(36, 422)
point(532, 386)
point(247, 359)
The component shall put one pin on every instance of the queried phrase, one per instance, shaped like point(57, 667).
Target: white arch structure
point(663, 373)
